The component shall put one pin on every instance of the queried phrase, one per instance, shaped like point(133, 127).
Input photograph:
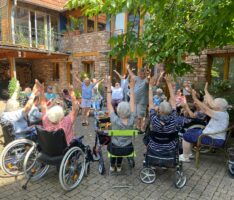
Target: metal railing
point(38, 38)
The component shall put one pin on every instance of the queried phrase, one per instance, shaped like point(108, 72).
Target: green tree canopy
point(174, 29)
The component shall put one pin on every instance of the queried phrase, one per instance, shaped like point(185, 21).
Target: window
point(101, 22)
point(134, 21)
point(22, 26)
point(56, 72)
point(119, 24)
point(77, 23)
point(222, 68)
point(88, 68)
point(231, 70)
point(90, 24)
point(108, 23)
point(217, 71)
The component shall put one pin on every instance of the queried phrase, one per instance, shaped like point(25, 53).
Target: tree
point(175, 28)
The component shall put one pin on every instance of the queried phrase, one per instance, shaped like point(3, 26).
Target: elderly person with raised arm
point(217, 110)
point(123, 120)
point(18, 116)
point(54, 119)
point(124, 85)
point(140, 96)
point(87, 88)
point(163, 121)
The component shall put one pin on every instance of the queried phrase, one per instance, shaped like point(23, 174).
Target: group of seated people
point(166, 121)
point(163, 115)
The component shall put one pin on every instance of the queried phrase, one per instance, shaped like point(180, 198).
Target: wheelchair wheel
point(12, 156)
point(231, 170)
point(101, 167)
point(72, 169)
point(147, 175)
point(180, 179)
point(32, 167)
point(87, 168)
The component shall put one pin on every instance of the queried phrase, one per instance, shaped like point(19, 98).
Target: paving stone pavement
point(210, 181)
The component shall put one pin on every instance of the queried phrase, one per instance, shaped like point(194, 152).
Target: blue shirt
point(50, 96)
point(87, 91)
point(18, 120)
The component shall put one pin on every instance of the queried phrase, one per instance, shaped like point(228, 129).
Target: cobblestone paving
point(211, 181)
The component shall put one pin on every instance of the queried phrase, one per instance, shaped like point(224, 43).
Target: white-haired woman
point(217, 111)
point(18, 116)
point(124, 120)
point(86, 103)
point(159, 97)
point(164, 123)
point(54, 119)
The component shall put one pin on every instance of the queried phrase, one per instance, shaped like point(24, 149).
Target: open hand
point(168, 78)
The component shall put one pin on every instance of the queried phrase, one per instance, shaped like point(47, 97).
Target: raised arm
point(172, 100)
point(36, 89)
point(188, 110)
point(43, 98)
point(159, 78)
point(98, 82)
point(132, 75)
point(151, 103)
point(132, 100)
point(77, 78)
point(208, 98)
point(109, 105)
point(201, 105)
point(118, 74)
point(75, 104)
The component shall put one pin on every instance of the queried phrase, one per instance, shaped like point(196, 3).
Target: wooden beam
point(80, 54)
point(12, 67)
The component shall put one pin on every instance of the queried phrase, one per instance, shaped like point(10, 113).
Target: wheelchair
point(231, 162)
point(72, 162)
point(122, 133)
point(16, 147)
point(168, 159)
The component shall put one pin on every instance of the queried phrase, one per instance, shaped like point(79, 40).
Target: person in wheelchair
point(163, 122)
point(216, 109)
point(54, 119)
point(123, 120)
point(18, 116)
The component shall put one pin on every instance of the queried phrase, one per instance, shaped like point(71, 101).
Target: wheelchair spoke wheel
point(13, 155)
point(72, 169)
point(231, 170)
point(147, 175)
point(180, 179)
point(33, 167)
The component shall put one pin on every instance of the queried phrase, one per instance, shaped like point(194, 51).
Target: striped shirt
point(164, 125)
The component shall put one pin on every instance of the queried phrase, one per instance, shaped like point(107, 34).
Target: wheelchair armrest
point(204, 136)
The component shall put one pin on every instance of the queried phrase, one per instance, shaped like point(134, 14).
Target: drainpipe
point(13, 21)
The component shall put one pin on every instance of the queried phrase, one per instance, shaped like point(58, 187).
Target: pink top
point(66, 124)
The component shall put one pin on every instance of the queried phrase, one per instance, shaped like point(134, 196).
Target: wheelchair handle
point(81, 137)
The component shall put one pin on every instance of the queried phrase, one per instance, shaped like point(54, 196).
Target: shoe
point(183, 159)
point(112, 169)
point(191, 156)
point(119, 169)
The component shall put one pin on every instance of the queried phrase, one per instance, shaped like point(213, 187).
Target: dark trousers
point(116, 161)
